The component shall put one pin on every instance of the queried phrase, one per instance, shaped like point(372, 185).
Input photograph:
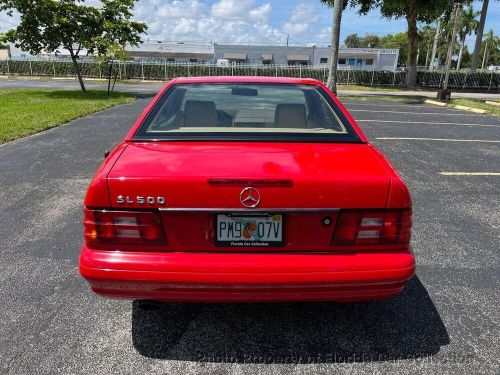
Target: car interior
point(184, 110)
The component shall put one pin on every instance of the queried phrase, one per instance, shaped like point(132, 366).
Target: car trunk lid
point(299, 175)
point(192, 183)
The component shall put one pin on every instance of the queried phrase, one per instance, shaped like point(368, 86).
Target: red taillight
point(122, 227)
point(373, 228)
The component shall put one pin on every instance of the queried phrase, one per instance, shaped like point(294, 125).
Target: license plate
point(249, 230)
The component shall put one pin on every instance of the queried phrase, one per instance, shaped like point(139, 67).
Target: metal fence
point(165, 71)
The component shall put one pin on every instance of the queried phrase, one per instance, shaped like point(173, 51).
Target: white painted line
point(437, 139)
point(412, 113)
point(470, 173)
point(430, 123)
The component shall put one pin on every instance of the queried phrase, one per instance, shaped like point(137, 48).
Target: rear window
point(246, 112)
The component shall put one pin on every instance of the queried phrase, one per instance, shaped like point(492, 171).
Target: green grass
point(370, 88)
point(403, 99)
point(476, 103)
point(25, 112)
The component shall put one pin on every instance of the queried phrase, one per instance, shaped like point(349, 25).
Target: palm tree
point(491, 42)
point(468, 25)
point(479, 35)
point(338, 7)
point(435, 43)
point(426, 38)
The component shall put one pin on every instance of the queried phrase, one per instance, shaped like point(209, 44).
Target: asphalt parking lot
point(446, 321)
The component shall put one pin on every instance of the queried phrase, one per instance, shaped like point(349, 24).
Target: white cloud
point(248, 21)
point(237, 21)
point(261, 14)
point(325, 33)
point(302, 17)
point(231, 8)
point(7, 22)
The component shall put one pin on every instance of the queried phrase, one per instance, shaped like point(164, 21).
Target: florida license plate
point(249, 230)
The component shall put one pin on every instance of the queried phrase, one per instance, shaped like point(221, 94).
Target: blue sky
point(260, 21)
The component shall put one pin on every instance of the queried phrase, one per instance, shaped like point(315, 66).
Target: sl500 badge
point(121, 199)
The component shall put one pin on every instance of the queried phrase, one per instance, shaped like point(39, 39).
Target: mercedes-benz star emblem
point(250, 197)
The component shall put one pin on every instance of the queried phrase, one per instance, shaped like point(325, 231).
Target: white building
point(173, 52)
point(210, 53)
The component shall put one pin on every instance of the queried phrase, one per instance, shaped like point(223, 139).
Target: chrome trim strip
point(248, 210)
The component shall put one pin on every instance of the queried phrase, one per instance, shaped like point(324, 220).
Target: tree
point(370, 41)
point(3, 45)
point(352, 41)
point(479, 35)
point(114, 52)
point(435, 44)
point(468, 25)
point(367, 41)
point(426, 37)
point(452, 45)
point(51, 25)
point(338, 7)
point(491, 43)
point(466, 58)
point(398, 40)
point(413, 11)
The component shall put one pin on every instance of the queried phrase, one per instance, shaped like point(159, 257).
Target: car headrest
point(200, 113)
point(290, 116)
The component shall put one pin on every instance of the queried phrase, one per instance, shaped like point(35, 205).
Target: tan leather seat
point(200, 113)
point(290, 116)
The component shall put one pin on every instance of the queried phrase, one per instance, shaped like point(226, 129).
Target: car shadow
point(406, 326)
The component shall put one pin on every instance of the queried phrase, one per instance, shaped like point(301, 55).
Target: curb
point(470, 109)
point(461, 107)
point(434, 102)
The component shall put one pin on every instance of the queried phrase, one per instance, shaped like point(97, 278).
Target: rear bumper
point(209, 277)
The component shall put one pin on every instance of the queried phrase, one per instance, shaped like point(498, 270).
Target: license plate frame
point(250, 217)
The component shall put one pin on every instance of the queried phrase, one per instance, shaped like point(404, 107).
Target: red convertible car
point(246, 189)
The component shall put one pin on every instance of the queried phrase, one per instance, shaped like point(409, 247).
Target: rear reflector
point(373, 228)
point(122, 227)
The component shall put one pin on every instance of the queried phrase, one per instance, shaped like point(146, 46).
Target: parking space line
point(437, 139)
point(431, 123)
point(415, 113)
point(470, 173)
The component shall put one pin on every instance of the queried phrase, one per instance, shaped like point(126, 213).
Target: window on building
point(369, 62)
point(266, 62)
point(170, 59)
point(323, 60)
point(303, 63)
point(341, 61)
point(193, 60)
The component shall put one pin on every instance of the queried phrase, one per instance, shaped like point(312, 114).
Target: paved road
point(139, 89)
point(145, 88)
point(446, 321)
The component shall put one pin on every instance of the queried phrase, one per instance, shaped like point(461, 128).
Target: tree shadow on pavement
point(406, 326)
